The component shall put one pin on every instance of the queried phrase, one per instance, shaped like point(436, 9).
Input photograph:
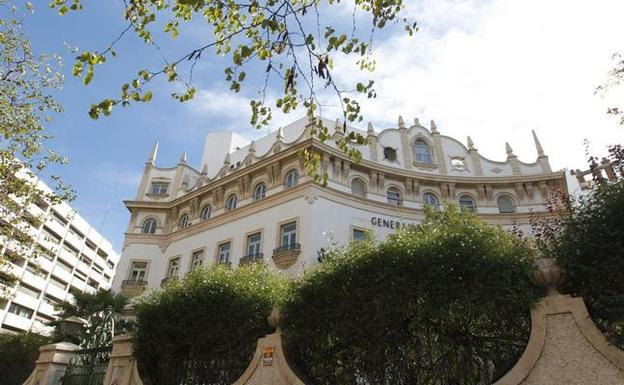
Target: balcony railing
point(257, 257)
point(133, 282)
point(164, 281)
point(288, 247)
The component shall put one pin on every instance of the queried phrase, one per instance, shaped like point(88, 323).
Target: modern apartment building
point(252, 201)
point(69, 256)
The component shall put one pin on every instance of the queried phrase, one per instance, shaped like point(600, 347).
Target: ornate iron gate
point(88, 367)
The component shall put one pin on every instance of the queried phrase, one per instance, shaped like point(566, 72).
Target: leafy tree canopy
point(203, 329)
point(102, 312)
point(288, 43)
point(27, 83)
point(18, 353)
point(443, 303)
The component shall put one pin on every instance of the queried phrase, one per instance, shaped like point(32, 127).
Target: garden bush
point(590, 247)
point(447, 302)
point(18, 353)
point(203, 329)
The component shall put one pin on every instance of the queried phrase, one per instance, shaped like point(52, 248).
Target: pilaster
point(122, 367)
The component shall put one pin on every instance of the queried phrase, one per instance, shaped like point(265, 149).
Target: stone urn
point(548, 275)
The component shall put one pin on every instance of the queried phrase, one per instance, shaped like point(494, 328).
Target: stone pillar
point(565, 347)
point(51, 364)
point(122, 367)
point(269, 365)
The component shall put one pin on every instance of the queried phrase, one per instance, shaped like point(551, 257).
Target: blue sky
point(492, 69)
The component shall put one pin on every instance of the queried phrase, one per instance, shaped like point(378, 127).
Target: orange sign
point(267, 356)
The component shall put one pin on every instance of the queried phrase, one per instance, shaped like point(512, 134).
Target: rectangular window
point(70, 249)
point(197, 260)
point(289, 234)
point(76, 232)
point(110, 265)
point(36, 270)
point(102, 254)
point(90, 244)
point(359, 235)
point(138, 271)
point(21, 311)
point(224, 253)
point(160, 188)
point(174, 266)
point(253, 244)
point(58, 218)
point(28, 290)
point(58, 283)
point(64, 265)
point(81, 276)
point(50, 235)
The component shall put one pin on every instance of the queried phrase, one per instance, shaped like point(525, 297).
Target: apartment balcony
point(47, 309)
point(17, 321)
point(286, 255)
point(79, 284)
point(33, 280)
point(251, 258)
point(26, 300)
point(56, 291)
point(62, 273)
point(131, 288)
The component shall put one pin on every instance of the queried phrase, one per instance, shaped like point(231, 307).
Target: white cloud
point(229, 111)
point(495, 70)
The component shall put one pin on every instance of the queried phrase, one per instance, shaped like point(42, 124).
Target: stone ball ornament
point(548, 275)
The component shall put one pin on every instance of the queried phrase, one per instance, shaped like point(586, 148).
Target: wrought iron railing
point(288, 247)
point(257, 257)
point(88, 367)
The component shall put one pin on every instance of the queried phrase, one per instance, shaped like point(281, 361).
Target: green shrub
point(203, 329)
point(444, 303)
point(591, 250)
point(18, 353)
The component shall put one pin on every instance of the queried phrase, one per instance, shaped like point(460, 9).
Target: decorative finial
point(152, 158)
point(434, 128)
point(280, 134)
point(548, 275)
point(471, 146)
point(183, 158)
point(416, 122)
point(538, 145)
point(204, 169)
point(276, 319)
point(370, 130)
point(401, 122)
point(510, 153)
point(226, 161)
point(338, 128)
point(252, 147)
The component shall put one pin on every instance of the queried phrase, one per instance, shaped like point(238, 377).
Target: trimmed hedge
point(444, 303)
point(203, 329)
point(18, 353)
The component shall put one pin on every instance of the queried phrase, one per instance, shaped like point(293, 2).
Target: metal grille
point(88, 367)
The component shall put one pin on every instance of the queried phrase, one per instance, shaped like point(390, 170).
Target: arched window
point(205, 213)
point(358, 188)
point(260, 191)
point(466, 203)
point(394, 196)
point(231, 202)
point(292, 178)
point(183, 222)
point(430, 199)
point(505, 204)
point(421, 152)
point(149, 226)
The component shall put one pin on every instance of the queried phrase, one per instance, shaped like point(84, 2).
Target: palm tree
point(101, 314)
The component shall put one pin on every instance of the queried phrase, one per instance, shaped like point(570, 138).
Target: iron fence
point(88, 367)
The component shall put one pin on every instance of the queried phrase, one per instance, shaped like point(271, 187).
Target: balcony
point(285, 256)
point(131, 288)
point(251, 258)
point(164, 281)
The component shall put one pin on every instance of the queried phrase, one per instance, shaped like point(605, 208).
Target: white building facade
point(253, 200)
point(69, 256)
